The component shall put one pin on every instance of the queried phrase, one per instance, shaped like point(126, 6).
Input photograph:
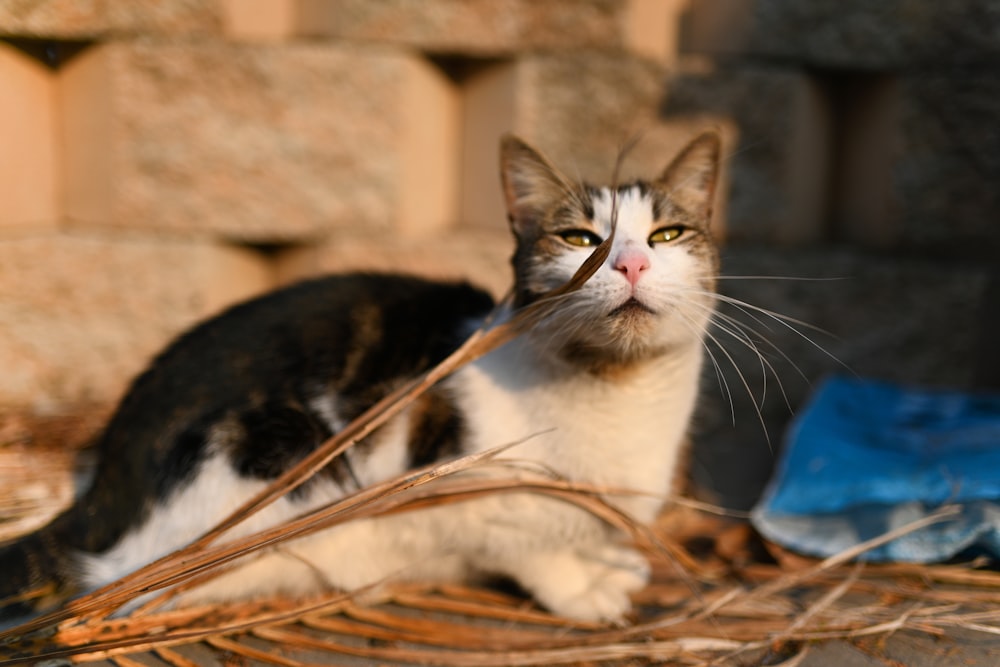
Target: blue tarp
point(865, 457)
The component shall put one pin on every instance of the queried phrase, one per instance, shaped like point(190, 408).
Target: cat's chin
point(631, 336)
point(632, 309)
point(612, 357)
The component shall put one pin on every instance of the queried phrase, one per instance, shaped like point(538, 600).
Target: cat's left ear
point(531, 185)
point(691, 178)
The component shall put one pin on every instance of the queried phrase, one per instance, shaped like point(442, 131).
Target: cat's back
point(350, 336)
point(353, 328)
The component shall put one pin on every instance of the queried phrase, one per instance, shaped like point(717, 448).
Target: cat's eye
point(581, 238)
point(666, 234)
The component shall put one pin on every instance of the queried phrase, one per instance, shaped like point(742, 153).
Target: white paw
point(592, 585)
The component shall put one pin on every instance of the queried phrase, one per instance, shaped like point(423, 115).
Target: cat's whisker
point(746, 336)
point(777, 278)
point(720, 376)
point(742, 333)
point(791, 324)
point(746, 385)
point(744, 339)
point(785, 321)
point(771, 345)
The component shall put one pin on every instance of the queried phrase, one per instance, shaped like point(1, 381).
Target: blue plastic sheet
point(866, 457)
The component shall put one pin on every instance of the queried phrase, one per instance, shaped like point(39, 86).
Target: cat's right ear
point(531, 185)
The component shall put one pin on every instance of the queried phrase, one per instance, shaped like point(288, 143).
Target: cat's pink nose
point(631, 262)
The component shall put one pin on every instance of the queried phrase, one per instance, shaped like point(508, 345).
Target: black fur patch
point(188, 451)
point(275, 437)
point(436, 430)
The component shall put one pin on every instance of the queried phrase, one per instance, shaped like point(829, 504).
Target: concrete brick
point(72, 19)
point(916, 157)
point(259, 19)
point(81, 314)
point(853, 34)
point(55, 18)
point(580, 127)
point(484, 27)
point(480, 256)
point(782, 168)
point(256, 142)
point(27, 141)
point(652, 28)
point(946, 162)
point(468, 27)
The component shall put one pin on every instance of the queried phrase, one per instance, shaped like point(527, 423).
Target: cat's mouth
point(632, 307)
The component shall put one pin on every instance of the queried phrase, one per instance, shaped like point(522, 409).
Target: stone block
point(256, 142)
point(480, 256)
point(27, 141)
point(452, 27)
point(946, 162)
point(468, 27)
point(76, 19)
point(580, 127)
point(259, 19)
point(652, 28)
point(782, 168)
point(916, 157)
point(81, 314)
point(848, 34)
point(52, 18)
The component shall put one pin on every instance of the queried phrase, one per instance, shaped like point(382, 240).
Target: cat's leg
point(568, 559)
point(589, 582)
point(361, 557)
point(368, 552)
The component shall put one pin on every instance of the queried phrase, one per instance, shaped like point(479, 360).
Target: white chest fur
point(623, 432)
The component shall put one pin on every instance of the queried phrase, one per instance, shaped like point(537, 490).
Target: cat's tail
point(36, 574)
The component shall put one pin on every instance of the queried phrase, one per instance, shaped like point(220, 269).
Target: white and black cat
point(601, 392)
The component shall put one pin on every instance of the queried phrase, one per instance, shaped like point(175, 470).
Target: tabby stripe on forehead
point(667, 210)
point(641, 186)
point(436, 429)
point(659, 204)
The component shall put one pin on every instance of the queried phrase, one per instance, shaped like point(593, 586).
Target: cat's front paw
point(590, 585)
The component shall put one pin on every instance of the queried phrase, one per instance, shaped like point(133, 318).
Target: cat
point(600, 392)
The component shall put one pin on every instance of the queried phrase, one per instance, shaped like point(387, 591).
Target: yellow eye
point(580, 238)
point(665, 235)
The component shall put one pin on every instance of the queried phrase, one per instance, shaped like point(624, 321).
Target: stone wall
point(162, 159)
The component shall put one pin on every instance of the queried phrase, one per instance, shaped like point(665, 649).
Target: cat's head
point(655, 291)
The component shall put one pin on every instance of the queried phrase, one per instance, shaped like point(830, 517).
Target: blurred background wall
point(159, 160)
